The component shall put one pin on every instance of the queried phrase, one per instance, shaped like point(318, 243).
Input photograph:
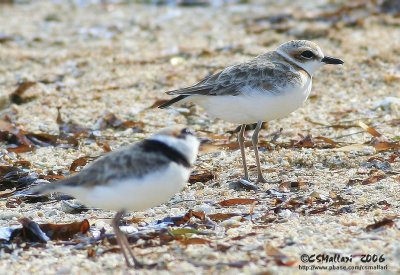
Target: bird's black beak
point(332, 60)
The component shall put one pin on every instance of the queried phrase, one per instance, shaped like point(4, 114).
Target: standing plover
point(267, 87)
point(134, 178)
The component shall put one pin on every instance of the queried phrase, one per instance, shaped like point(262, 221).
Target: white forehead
point(296, 45)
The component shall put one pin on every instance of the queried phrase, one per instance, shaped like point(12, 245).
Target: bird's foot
point(139, 265)
point(261, 179)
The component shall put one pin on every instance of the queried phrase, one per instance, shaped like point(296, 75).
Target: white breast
point(134, 194)
point(253, 105)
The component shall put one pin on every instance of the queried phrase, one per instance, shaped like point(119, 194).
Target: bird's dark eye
point(307, 54)
point(185, 132)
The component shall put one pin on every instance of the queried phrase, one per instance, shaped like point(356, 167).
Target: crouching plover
point(134, 178)
point(267, 87)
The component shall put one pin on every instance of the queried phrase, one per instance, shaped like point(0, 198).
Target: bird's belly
point(250, 108)
point(137, 194)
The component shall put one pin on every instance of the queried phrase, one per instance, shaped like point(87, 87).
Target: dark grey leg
point(241, 145)
point(254, 140)
point(123, 242)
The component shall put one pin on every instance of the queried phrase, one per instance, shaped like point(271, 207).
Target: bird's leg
point(118, 235)
point(241, 145)
point(123, 242)
point(254, 140)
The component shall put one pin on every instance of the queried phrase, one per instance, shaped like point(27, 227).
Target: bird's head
point(181, 139)
point(306, 54)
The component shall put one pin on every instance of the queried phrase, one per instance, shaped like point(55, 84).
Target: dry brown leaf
point(327, 140)
point(111, 120)
point(23, 163)
point(389, 78)
point(305, 142)
point(373, 179)
point(238, 201)
point(385, 222)
point(393, 157)
point(65, 231)
point(279, 257)
point(41, 139)
point(135, 220)
point(376, 158)
point(106, 147)
point(7, 193)
point(132, 124)
point(82, 161)
point(52, 177)
point(184, 219)
point(372, 131)
point(222, 216)
point(189, 241)
point(17, 96)
point(198, 214)
point(24, 141)
point(294, 203)
point(311, 142)
point(91, 253)
point(241, 237)
point(201, 176)
point(386, 145)
point(21, 149)
point(13, 202)
point(318, 210)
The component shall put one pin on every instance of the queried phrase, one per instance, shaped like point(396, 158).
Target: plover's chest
point(255, 104)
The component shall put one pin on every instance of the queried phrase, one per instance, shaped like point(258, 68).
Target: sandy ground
point(93, 59)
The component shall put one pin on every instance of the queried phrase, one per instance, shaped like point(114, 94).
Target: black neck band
point(171, 153)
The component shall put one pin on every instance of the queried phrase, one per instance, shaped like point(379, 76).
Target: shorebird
point(268, 87)
point(134, 178)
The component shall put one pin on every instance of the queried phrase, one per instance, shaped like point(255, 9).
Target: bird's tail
point(172, 101)
point(43, 189)
point(37, 190)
